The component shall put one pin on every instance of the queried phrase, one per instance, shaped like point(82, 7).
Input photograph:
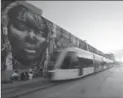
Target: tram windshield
point(70, 61)
point(53, 59)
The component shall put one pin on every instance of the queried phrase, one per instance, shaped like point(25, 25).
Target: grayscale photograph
point(61, 49)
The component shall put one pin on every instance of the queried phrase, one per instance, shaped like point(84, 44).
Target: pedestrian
point(41, 71)
point(26, 76)
point(22, 76)
point(15, 75)
point(30, 75)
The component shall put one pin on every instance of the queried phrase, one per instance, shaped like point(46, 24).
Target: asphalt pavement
point(105, 84)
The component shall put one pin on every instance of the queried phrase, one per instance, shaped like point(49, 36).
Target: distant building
point(110, 56)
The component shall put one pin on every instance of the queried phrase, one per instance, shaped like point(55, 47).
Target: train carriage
point(72, 62)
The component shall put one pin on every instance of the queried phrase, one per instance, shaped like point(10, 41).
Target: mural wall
point(28, 38)
point(62, 38)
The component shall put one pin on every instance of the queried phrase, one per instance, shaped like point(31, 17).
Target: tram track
point(21, 91)
point(19, 86)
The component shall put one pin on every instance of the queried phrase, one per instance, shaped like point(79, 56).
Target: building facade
point(57, 38)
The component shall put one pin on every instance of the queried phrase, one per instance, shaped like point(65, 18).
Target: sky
point(100, 23)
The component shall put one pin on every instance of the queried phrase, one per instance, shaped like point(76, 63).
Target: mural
point(28, 38)
point(28, 34)
point(25, 36)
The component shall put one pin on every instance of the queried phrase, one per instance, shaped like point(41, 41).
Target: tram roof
point(81, 50)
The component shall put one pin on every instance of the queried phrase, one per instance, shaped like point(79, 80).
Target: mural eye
point(40, 33)
point(22, 27)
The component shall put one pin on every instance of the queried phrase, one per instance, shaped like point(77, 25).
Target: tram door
point(85, 66)
point(82, 62)
point(76, 64)
point(80, 70)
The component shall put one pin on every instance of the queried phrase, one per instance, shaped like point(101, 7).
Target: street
point(47, 46)
point(106, 84)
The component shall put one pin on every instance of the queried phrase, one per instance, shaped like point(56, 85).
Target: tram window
point(73, 64)
point(85, 62)
point(73, 60)
point(66, 63)
point(70, 61)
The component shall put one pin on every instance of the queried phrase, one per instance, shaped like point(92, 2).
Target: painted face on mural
point(27, 33)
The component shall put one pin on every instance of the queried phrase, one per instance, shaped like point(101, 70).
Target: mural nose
point(31, 37)
point(32, 34)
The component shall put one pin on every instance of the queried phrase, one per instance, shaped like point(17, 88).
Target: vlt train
point(72, 62)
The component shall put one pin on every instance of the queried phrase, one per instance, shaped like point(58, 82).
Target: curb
point(20, 84)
